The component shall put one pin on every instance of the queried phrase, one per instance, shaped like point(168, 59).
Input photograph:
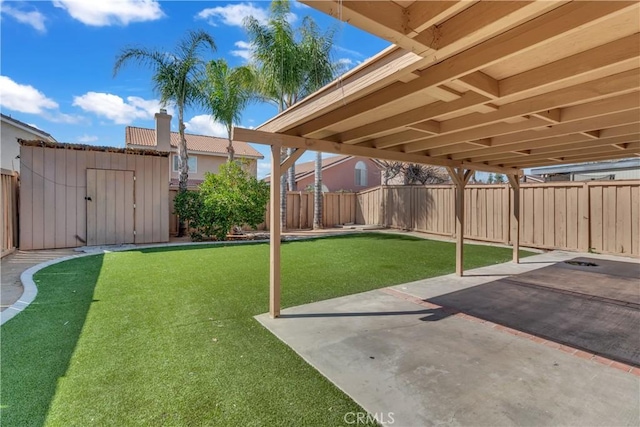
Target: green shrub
point(229, 198)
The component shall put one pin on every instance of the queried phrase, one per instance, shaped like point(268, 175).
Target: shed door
point(110, 207)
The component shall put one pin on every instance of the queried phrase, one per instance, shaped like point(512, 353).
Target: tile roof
point(202, 143)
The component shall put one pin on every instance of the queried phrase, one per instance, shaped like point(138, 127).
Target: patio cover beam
point(514, 181)
point(268, 138)
point(460, 177)
point(274, 235)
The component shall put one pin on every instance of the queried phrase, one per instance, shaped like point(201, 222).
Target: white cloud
point(298, 5)
point(24, 98)
point(264, 167)
point(33, 18)
point(27, 99)
point(111, 12)
point(346, 62)
point(244, 51)
point(87, 138)
point(117, 109)
point(58, 117)
point(233, 14)
point(348, 51)
point(205, 125)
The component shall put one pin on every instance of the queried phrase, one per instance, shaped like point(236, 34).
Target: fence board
point(9, 218)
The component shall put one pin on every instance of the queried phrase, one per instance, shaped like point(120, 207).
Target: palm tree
point(317, 193)
point(174, 79)
point(225, 93)
point(289, 67)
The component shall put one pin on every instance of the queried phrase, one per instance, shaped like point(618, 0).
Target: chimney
point(163, 131)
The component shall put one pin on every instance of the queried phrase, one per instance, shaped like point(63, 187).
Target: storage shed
point(80, 195)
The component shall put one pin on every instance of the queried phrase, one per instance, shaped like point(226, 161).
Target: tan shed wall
point(53, 209)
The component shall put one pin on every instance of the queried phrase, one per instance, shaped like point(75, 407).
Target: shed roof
point(201, 143)
point(85, 147)
point(495, 86)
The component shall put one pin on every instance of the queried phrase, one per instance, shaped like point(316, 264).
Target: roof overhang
point(494, 86)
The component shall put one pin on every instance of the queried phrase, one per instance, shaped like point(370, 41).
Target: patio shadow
point(47, 331)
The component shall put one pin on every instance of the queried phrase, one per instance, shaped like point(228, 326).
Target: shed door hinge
point(134, 206)
point(134, 232)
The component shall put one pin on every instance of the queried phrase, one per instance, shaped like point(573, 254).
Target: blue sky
point(57, 61)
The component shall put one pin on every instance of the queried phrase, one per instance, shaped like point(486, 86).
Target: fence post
point(584, 239)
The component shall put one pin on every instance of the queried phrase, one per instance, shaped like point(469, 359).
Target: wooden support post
point(514, 180)
point(460, 177)
point(274, 236)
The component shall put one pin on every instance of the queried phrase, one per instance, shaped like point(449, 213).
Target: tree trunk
point(317, 193)
point(230, 151)
point(184, 164)
point(283, 193)
point(291, 173)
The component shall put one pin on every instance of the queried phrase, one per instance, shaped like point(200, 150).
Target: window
point(193, 164)
point(361, 174)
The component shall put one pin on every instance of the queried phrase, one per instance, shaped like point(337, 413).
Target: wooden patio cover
point(475, 85)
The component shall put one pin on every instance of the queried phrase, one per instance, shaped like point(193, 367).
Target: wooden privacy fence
point(583, 216)
point(337, 208)
point(9, 226)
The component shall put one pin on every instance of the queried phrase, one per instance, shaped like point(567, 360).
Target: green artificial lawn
point(167, 336)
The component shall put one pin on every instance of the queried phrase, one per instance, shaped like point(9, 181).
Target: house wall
point(53, 187)
point(10, 147)
point(618, 175)
point(209, 163)
point(342, 177)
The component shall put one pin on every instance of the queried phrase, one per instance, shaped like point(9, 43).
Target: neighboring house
point(11, 130)
point(594, 171)
point(339, 173)
point(206, 153)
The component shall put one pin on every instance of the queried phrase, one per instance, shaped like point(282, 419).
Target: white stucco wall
point(10, 149)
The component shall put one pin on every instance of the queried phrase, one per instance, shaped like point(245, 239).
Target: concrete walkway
point(409, 362)
point(14, 264)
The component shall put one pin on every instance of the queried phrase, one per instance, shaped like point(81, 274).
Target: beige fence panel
point(369, 207)
point(9, 225)
point(487, 212)
point(554, 217)
point(602, 216)
point(434, 209)
point(615, 219)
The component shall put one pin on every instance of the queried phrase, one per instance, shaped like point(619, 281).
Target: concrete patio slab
point(421, 366)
